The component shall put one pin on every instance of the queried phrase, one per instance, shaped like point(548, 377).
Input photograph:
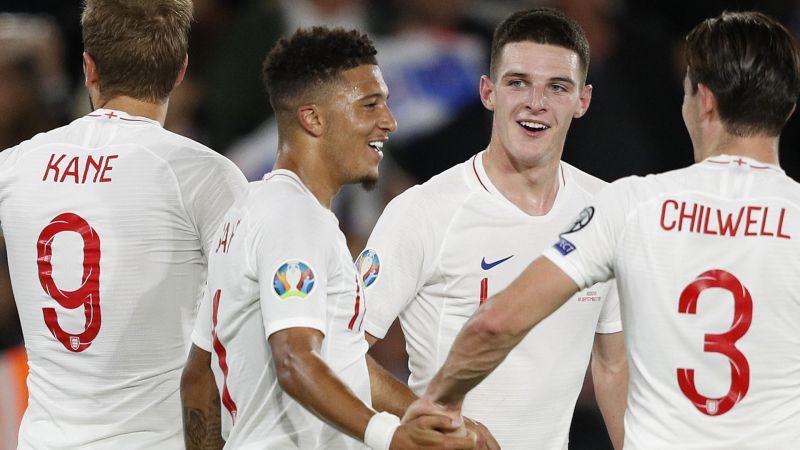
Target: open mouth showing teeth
point(377, 146)
point(533, 126)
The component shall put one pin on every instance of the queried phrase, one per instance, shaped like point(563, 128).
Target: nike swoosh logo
point(487, 266)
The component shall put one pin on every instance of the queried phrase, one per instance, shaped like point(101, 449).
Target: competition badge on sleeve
point(369, 266)
point(566, 247)
point(293, 279)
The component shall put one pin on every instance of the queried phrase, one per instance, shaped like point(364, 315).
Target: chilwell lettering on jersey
point(747, 220)
point(78, 169)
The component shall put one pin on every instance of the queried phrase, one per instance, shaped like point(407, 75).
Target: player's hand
point(423, 406)
point(428, 432)
point(484, 439)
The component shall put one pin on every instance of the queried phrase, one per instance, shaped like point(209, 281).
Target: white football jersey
point(707, 260)
point(442, 248)
point(107, 223)
point(280, 262)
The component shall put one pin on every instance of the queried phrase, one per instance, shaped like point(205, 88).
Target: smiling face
point(537, 92)
point(358, 124)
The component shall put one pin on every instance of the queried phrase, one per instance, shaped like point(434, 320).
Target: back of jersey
point(106, 223)
point(708, 264)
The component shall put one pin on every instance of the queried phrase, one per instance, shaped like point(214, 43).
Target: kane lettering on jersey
point(107, 223)
point(706, 257)
point(440, 250)
point(280, 262)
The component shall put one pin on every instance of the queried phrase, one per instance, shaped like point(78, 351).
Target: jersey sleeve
point(399, 259)
point(201, 334)
point(293, 256)
point(586, 249)
point(609, 321)
point(209, 186)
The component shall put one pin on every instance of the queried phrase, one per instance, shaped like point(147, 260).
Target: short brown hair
point(139, 45)
point(751, 64)
point(542, 26)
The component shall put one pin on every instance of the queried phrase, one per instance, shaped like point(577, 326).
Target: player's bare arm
point(200, 402)
point(610, 378)
point(304, 375)
point(492, 332)
point(391, 395)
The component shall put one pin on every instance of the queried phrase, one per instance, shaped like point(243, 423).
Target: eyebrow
point(373, 96)
point(527, 76)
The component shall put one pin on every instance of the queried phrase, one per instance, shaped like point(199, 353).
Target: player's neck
point(134, 107)
point(532, 188)
point(760, 148)
point(310, 169)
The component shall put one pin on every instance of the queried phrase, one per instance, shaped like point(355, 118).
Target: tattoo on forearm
point(202, 428)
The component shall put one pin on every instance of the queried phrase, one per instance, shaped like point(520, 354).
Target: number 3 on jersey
point(724, 343)
point(87, 295)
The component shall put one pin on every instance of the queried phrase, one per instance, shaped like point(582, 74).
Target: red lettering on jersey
point(664, 225)
point(53, 165)
point(228, 230)
point(780, 225)
point(106, 168)
point(96, 167)
point(727, 227)
point(751, 220)
point(71, 171)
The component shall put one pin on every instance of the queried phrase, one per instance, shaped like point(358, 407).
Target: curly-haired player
point(284, 310)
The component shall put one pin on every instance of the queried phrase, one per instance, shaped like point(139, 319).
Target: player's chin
point(369, 182)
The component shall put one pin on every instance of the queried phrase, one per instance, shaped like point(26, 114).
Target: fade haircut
point(543, 26)
point(139, 45)
point(751, 64)
point(309, 60)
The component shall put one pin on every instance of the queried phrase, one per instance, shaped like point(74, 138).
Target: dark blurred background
point(432, 53)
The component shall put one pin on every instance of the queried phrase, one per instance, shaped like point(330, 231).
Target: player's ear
point(182, 72)
point(584, 99)
point(310, 119)
point(708, 101)
point(486, 89)
point(91, 79)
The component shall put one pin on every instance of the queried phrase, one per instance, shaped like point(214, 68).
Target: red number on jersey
point(222, 356)
point(724, 343)
point(87, 295)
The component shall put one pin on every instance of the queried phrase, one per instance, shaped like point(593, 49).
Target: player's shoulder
point(585, 182)
point(438, 196)
point(57, 135)
point(282, 200)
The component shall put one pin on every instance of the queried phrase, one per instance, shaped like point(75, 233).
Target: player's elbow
point(491, 327)
point(291, 369)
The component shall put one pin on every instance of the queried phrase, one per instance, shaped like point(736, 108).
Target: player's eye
point(516, 83)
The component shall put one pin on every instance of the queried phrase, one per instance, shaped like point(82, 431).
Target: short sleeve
point(397, 262)
point(609, 321)
point(293, 255)
point(586, 249)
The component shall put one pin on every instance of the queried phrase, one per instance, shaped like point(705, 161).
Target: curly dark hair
point(752, 65)
point(543, 26)
point(311, 58)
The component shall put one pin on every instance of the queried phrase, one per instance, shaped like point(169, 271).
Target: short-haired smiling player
point(440, 249)
point(707, 259)
point(284, 311)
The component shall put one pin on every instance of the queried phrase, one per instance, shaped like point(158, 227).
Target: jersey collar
point(113, 114)
point(479, 173)
point(741, 162)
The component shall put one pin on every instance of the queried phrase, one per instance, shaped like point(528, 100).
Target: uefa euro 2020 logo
point(369, 266)
point(293, 279)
